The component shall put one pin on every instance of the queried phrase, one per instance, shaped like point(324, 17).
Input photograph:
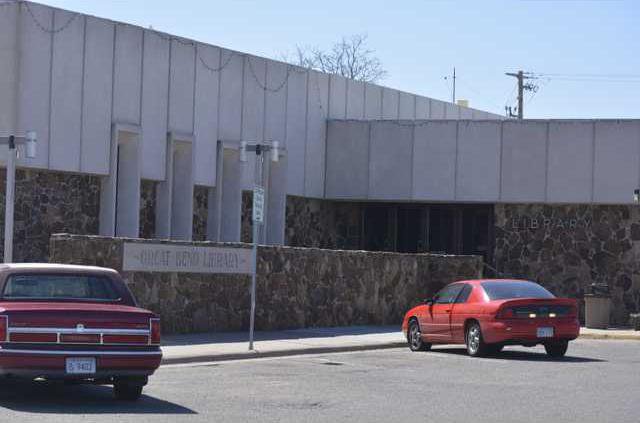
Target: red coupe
point(75, 323)
point(488, 314)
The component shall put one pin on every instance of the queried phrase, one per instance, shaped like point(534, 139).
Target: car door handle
point(448, 311)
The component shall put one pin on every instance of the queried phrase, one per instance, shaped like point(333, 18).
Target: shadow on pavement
point(56, 397)
point(519, 355)
point(231, 337)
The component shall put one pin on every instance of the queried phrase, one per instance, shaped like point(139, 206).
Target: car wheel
point(124, 391)
point(556, 349)
point(415, 338)
point(476, 347)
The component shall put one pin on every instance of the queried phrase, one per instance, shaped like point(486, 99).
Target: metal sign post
point(258, 218)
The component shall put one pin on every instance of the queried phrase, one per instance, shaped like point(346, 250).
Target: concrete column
point(214, 199)
point(174, 196)
point(182, 199)
point(276, 202)
point(9, 67)
point(231, 196)
point(120, 193)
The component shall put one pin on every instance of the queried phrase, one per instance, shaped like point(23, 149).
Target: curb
point(610, 337)
point(248, 355)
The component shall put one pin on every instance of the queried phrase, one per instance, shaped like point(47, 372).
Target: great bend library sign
point(145, 257)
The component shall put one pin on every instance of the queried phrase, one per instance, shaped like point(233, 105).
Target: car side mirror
point(428, 301)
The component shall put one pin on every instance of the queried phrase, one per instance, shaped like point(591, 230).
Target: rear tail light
point(155, 331)
point(4, 322)
point(505, 313)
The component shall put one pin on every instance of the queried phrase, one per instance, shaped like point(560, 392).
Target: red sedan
point(75, 323)
point(488, 314)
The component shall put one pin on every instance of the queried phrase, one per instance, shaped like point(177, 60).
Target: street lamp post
point(257, 214)
point(30, 143)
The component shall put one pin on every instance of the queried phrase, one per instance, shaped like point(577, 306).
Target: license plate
point(545, 332)
point(80, 366)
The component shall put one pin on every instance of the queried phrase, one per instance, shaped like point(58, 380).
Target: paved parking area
point(598, 382)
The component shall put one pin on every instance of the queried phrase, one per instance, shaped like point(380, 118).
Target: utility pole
point(454, 85)
point(446, 78)
point(522, 87)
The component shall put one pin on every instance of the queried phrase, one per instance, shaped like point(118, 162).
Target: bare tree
point(349, 57)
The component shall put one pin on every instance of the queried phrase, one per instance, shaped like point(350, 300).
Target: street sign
point(258, 204)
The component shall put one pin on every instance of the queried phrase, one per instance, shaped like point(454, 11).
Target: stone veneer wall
point(297, 287)
point(147, 208)
point(200, 210)
point(48, 202)
point(568, 247)
point(319, 223)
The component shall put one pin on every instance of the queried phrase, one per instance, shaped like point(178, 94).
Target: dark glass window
point(448, 294)
point(505, 290)
point(464, 294)
point(60, 287)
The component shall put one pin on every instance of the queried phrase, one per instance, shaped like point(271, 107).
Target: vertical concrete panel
point(206, 116)
point(128, 68)
point(97, 98)
point(34, 97)
point(296, 130)
point(422, 107)
point(230, 112)
point(253, 110)
point(390, 163)
point(373, 106)
point(337, 97)
point(466, 113)
point(348, 160)
point(524, 161)
point(407, 106)
point(617, 161)
point(181, 92)
point(315, 151)
point(9, 19)
point(452, 111)
point(570, 162)
point(438, 109)
point(276, 104)
point(66, 93)
point(155, 101)
point(478, 161)
point(390, 99)
point(434, 161)
point(355, 99)
point(253, 100)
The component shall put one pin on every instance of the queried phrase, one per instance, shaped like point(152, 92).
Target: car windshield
point(60, 287)
point(505, 290)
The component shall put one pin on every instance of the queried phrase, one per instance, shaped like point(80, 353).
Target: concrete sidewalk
point(222, 346)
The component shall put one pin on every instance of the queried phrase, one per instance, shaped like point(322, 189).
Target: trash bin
point(597, 307)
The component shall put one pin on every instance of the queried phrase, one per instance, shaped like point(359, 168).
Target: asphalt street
point(599, 381)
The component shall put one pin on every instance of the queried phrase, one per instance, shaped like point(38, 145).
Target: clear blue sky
point(419, 42)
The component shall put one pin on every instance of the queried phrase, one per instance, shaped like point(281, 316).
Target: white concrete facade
point(75, 78)
point(530, 161)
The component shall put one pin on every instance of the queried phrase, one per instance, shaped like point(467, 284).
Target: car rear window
point(60, 287)
point(505, 290)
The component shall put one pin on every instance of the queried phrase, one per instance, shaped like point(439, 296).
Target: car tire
point(476, 347)
point(495, 349)
point(556, 349)
point(414, 338)
point(126, 391)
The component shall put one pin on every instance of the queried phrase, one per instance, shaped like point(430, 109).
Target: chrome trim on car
point(78, 353)
point(74, 331)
